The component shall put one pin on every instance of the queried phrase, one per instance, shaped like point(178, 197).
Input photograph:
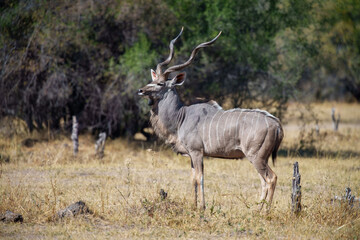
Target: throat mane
point(158, 126)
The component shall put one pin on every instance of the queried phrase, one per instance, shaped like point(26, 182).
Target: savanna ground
point(123, 188)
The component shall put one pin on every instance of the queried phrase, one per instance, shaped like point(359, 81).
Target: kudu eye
point(161, 84)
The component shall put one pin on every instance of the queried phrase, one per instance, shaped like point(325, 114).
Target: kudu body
point(205, 129)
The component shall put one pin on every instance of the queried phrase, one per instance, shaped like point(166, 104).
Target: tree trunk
point(352, 87)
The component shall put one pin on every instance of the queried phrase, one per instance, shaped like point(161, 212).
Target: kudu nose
point(141, 92)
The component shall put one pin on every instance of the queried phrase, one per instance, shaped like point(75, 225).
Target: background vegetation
point(88, 58)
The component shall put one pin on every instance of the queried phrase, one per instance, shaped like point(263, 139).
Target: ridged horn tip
point(182, 29)
point(217, 36)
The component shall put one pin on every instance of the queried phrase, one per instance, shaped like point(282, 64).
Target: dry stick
point(334, 120)
point(123, 196)
point(48, 130)
point(23, 209)
point(53, 187)
point(296, 190)
point(317, 128)
point(243, 200)
point(74, 135)
point(100, 145)
point(21, 60)
point(346, 225)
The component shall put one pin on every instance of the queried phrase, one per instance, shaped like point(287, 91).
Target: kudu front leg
point(197, 166)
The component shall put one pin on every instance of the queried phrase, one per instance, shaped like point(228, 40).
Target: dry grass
point(123, 191)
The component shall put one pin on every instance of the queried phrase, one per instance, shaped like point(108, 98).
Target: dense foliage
point(88, 58)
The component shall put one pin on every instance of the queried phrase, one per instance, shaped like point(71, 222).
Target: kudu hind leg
point(271, 182)
point(264, 191)
point(268, 182)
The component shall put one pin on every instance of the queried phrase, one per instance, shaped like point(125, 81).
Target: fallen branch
point(347, 199)
point(73, 210)
point(9, 216)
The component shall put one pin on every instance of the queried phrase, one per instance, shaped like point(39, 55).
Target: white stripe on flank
point(253, 110)
point(263, 112)
point(267, 124)
point(203, 136)
point(227, 116)
point(237, 124)
point(210, 129)
point(252, 122)
point(243, 127)
point(256, 124)
point(217, 129)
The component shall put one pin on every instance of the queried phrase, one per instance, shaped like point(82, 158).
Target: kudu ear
point(154, 76)
point(178, 80)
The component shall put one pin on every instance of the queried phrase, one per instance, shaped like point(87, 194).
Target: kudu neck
point(168, 109)
point(171, 99)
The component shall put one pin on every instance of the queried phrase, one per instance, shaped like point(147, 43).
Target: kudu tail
point(278, 139)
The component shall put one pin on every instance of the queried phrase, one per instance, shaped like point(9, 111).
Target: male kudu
point(205, 129)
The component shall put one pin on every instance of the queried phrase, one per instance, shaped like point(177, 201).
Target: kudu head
point(160, 83)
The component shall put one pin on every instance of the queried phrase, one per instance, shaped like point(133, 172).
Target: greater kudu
point(205, 129)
